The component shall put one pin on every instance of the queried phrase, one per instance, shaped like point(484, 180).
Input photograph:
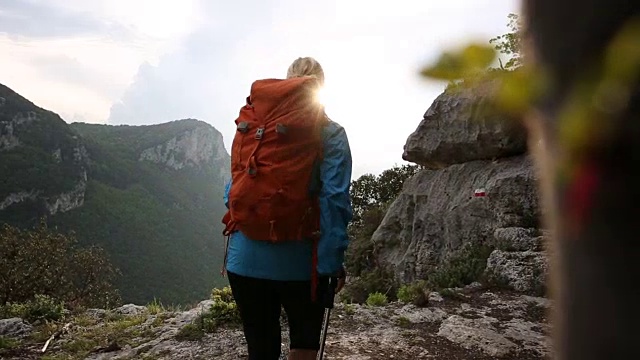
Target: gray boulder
point(462, 126)
point(130, 309)
point(524, 271)
point(14, 327)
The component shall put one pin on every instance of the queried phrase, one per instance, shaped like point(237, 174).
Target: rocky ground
point(473, 323)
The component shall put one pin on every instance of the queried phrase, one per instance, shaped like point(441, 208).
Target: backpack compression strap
point(314, 269)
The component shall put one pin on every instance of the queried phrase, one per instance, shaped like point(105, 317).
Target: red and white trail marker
point(480, 192)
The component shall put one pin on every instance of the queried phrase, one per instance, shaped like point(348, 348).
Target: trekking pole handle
point(331, 293)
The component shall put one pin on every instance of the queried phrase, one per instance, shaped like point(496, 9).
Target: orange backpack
point(277, 144)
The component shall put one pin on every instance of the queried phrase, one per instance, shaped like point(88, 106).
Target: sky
point(141, 62)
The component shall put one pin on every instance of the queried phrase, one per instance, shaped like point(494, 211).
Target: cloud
point(149, 61)
point(66, 69)
point(183, 84)
point(37, 19)
point(371, 53)
point(77, 57)
point(197, 79)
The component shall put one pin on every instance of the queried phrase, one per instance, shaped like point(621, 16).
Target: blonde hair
point(306, 66)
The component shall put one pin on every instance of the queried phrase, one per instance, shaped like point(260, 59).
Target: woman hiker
point(284, 256)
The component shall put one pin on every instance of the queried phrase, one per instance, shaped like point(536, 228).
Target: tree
point(370, 197)
point(363, 195)
point(391, 181)
point(470, 64)
point(44, 262)
point(370, 190)
point(510, 43)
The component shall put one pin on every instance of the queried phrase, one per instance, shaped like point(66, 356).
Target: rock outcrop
point(197, 147)
point(479, 187)
point(462, 126)
point(524, 271)
point(437, 212)
point(150, 193)
point(478, 324)
point(43, 162)
point(14, 328)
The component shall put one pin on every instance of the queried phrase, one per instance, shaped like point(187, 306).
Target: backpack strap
point(316, 187)
point(223, 271)
point(252, 167)
point(314, 266)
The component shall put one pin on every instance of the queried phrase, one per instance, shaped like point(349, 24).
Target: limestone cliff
point(149, 195)
point(469, 149)
point(197, 147)
point(43, 163)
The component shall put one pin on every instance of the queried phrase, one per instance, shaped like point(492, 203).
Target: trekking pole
point(328, 304)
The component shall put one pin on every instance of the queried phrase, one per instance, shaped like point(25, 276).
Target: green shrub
point(190, 332)
point(155, 307)
point(377, 280)
point(8, 343)
point(403, 322)
point(222, 294)
point(451, 294)
point(43, 261)
point(41, 307)
point(349, 309)
point(377, 299)
point(463, 268)
point(223, 312)
point(371, 195)
point(415, 293)
point(405, 294)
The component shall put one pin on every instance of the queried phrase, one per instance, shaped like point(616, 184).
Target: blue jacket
point(292, 260)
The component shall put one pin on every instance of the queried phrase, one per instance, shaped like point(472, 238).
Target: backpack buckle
point(281, 129)
point(259, 133)
point(243, 127)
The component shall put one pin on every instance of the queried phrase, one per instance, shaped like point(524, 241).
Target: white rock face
point(69, 200)
point(17, 198)
point(57, 155)
point(62, 202)
point(8, 139)
point(193, 148)
point(74, 198)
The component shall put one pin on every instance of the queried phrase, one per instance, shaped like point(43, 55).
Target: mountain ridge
point(151, 195)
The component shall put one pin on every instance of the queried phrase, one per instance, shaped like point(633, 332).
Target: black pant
point(259, 302)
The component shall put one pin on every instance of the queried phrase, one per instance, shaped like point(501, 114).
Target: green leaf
point(461, 63)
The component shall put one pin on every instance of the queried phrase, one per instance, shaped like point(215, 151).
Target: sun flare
point(327, 97)
point(321, 96)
